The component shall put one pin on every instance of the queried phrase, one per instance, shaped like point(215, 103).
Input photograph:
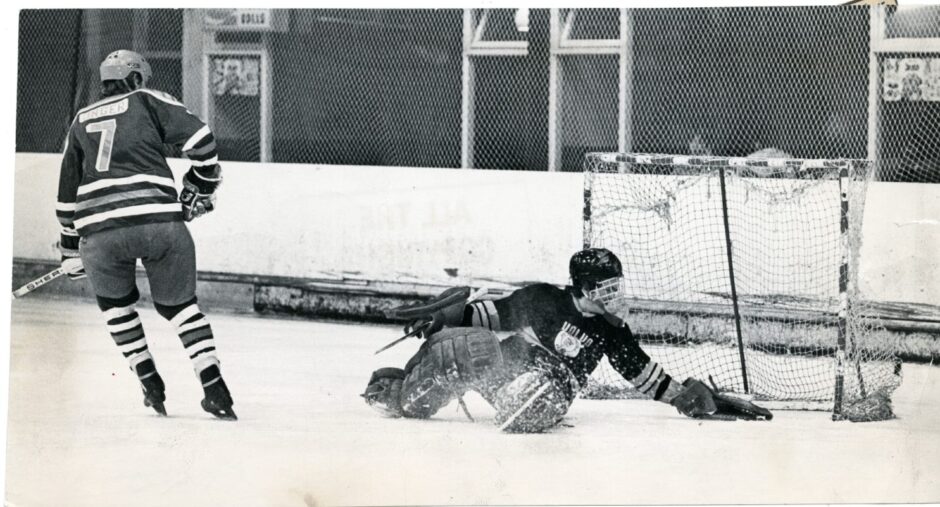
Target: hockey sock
point(195, 333)
point(125, 328)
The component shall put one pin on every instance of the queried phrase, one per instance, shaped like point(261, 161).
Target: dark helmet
point(593, 265)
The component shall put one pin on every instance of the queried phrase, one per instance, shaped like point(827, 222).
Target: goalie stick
point(39, 282)
point(416, 331)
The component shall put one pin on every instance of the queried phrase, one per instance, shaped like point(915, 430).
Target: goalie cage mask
point(599, 273)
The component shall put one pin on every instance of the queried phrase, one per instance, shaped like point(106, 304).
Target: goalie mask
point(599, 275)
point(118, 65)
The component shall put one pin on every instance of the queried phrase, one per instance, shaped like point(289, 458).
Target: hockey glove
point(71, 260)
point(198, 194)
point(446, 309)
point(697, 400)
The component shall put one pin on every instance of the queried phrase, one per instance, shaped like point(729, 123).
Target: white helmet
point(119, 64)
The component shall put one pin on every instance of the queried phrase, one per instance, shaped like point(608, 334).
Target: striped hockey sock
point(128, 334)
point(196, 334)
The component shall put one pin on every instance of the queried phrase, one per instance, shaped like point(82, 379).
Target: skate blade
point(157, 406)
point(224, 414)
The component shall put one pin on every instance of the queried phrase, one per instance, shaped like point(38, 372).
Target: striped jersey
point(114, 173)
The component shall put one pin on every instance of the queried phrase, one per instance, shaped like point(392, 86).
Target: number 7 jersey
point(114, 172)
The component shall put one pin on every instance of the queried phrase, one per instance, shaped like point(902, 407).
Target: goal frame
point(786, 168)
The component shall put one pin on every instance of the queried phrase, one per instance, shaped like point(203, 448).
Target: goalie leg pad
point(383, 393)
point(465, 356)
point(450, 363)
point(533, 402)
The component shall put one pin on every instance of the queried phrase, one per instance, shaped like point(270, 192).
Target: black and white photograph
point(681, 253)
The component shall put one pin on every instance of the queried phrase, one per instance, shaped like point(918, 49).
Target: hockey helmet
point(598, 272)
point(119, 64)
point(592, 266)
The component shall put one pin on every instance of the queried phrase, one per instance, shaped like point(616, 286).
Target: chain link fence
point(448, 88)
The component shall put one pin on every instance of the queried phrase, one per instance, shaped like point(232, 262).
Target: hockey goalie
point(557, 337)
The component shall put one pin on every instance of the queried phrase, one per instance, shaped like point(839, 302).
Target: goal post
point(744, 271)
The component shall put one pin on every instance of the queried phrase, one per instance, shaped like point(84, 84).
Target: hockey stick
point(413, 332)
point(416, 331)
point(39, 282)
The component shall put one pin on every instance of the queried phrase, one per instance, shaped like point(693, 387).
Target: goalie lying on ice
point(559, 336)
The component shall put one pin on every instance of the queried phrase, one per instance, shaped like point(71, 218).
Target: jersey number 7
point(107, 129)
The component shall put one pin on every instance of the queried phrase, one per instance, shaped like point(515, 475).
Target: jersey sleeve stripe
point(204, 163)
point(201, 133)
point(143, 209)
point(205, 151)
point(204, 142)
point(139, 178)
point(67, 222)
point(65, 206)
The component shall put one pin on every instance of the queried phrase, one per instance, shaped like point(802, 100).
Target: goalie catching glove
point(699, 401)
point(198, 194)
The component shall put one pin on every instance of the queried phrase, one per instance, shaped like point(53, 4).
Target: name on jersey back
point(105, 110)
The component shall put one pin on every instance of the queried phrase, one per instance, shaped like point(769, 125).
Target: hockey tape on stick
point(39, 282)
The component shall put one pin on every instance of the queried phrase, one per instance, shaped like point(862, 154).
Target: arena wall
point(444, 226)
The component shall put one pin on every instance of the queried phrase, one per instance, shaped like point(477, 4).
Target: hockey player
point(117, 202)
point(559, 337)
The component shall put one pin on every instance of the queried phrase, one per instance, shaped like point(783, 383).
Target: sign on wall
point(246, 19)
point(236, 93)
point(913, 79)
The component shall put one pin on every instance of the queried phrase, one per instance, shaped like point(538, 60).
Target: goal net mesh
point(688, 229)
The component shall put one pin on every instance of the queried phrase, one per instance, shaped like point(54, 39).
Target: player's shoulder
point(160, 96)
point(542, 291)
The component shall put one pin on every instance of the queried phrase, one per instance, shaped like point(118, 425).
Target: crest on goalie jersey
point(570, 340)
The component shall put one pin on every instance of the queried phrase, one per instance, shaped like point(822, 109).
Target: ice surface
point(79, 435)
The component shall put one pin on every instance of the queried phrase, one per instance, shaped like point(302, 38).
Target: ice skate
point(218, 400)
point(152, 385)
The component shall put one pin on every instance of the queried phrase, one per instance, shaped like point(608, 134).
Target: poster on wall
point(235, 74)
point(912, 79)
point(235, 95)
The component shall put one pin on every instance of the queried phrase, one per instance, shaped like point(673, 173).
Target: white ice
point(79, 435)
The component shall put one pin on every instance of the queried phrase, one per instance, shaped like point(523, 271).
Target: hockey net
point(743, 271)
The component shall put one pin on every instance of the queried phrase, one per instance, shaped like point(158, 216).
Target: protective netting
point(700, 236)
point(453, 88)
